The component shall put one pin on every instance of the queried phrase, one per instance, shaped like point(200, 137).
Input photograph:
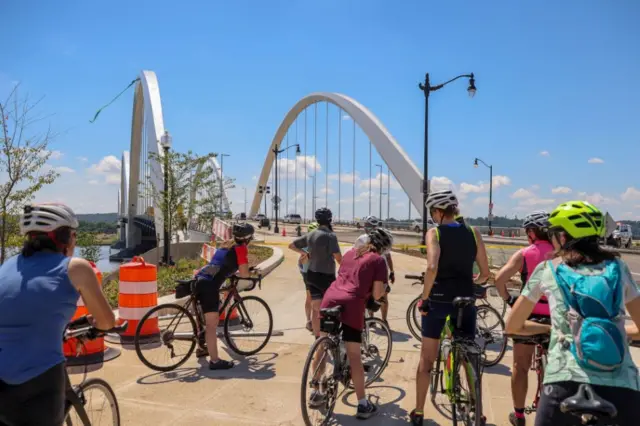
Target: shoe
point(517, 421)
point(308, 326)
point(200, 352)
point(220, 364)
point(317, 399)
point(416, 419)
point(366, 410)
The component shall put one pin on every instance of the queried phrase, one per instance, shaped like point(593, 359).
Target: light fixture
point(298, 152)
point(165, 140)
point(472, 86)
point(475, 163)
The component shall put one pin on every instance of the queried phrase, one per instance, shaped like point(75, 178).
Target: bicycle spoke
point(320, 383)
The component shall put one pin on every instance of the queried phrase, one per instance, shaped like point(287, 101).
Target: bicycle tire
point(239, 307)
point(501, 325)
point(110, 395)
point(414, 327)
point(498, 303)
point(473, 370)
point(434, 379)
point(137, 340)
point(380, 325)
point(331, 346)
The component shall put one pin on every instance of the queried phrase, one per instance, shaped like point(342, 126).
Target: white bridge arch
point(404, 170)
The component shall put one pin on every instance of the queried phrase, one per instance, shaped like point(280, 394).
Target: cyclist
point(322, 251)
point(453, 248)
point(303, 264)
point(371, 223)
point(581, 274)
point(39, 290)
point(230, 258)
point(362, 274)
point(525, 261)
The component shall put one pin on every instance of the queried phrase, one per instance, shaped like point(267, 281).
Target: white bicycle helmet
point(46, 217)
point(381, 238)
point(537, 219)
point(372, 222)
point(441, 199)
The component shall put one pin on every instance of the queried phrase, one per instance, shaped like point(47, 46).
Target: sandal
point(220, 364)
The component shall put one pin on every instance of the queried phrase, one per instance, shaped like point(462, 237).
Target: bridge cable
point(113, 100)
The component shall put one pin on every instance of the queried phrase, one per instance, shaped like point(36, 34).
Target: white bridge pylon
point(404, 170)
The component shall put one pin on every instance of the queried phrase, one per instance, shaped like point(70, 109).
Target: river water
point(103, 264)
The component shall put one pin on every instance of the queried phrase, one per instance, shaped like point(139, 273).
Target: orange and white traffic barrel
point(138, 294)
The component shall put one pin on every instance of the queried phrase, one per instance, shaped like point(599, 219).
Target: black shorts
point(542, 319)
point(208, 294)
point(626, 401)
point(318, 283)
point(434, 321)
point(39, 401)
point(350, 334)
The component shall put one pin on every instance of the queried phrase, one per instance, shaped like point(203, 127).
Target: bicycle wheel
point(468, 403)
point(317, 380)
point(251, 313)
point(414, 319)
point(376, 349)
point(490, 335)
point(178, 333)
point(102, 410)
point(494, 300)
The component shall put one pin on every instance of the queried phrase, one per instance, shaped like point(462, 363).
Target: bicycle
point(457, 351)
point(76, 396)
point(489, 333)
point(330, 349)
point(587, 405)
point(193, 330)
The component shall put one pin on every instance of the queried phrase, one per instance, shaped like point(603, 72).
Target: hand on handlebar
point(424, 307)
point(511, 300)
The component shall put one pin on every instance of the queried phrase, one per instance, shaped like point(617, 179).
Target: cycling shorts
point(350, 334)
point(318, 283)
point(208, 294)
point(433, 322)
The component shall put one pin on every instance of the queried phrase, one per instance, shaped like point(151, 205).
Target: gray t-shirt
point(322, 244)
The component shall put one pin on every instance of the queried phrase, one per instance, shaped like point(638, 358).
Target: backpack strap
point(562, 285)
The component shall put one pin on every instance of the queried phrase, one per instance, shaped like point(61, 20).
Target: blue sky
point(560, 77)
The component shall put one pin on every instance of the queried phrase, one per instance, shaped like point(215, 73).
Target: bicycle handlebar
point(81, 328)
point(254, 280)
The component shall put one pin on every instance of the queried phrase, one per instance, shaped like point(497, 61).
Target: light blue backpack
point(593, 303)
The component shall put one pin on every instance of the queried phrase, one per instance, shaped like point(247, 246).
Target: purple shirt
point(354, 285)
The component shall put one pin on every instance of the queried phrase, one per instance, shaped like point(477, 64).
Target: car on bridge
point(622, 236)
point(416, 225)
point(292, 218)
point(259, 217)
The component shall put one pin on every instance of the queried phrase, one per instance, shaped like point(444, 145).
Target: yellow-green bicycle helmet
point(579, 219)
point(312, 226)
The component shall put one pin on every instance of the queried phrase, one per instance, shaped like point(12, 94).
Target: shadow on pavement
point(399, 336)
point(389, 412)
point(254, 367)
point(499, 369)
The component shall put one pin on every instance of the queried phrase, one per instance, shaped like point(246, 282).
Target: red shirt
point(354, 285)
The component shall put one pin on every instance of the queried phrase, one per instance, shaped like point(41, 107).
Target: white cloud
point(523, 193)
point(109, 167)
point(326, 191)
point(53, 155)
point(345, 177)
point(346, 117)
point(290, 167)
point(375, 182)
point(439, 183)
point(631, 194)
point(535, 201)
point(597, 199)
point(254, 178)
point(595, 160)
point(481, 201)
point(83, 159)
point(63, 169)
point(498, 181)
point(545, 153)
point(535, 187)
point(561, 190)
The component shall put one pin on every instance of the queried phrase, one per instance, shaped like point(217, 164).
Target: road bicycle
point(329, 351)
point(80, 406)
point(489, 324)
point(185, 323)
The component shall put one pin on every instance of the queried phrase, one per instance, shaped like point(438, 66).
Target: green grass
point(183, 269)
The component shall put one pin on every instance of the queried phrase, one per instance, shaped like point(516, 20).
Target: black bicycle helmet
point(381, 239)
point(243, 231)
point(323, 214)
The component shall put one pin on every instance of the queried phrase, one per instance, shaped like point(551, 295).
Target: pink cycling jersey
point(536, 253)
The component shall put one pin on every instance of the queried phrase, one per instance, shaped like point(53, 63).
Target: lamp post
point(265, 190)
point(222, 180)
point(427, 88)
point(475, 164)
point(276, 203)
point(380, 200)
point(165, 142)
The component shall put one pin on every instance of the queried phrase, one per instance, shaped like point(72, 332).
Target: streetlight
point(380, 200)
point(265, 190)
point(277, 152)
point(165, 142)
point(427, 88)
point(475, 164)
point(221, 180)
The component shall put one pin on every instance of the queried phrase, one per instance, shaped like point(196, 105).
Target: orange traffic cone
point(502, 233)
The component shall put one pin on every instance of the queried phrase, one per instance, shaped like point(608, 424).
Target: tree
point(89, 247)
point(23, 156)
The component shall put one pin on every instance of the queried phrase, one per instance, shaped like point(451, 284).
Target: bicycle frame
point(537, 366)
point(450, 363)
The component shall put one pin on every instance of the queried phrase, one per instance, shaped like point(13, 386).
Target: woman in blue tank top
point(39, 289)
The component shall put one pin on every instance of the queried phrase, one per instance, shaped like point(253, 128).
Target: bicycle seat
point(331, 312)
point(461, 302)
point(184, 281)
point(585, 401)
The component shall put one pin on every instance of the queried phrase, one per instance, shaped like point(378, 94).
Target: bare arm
point(243, 271)
point(338, 257)
point(517, 322)
point(633, 308)
point(481, 258)
point(392, 278)
point(433, 257)
point(378, 290)
point(301, 252)
point(85, 281)
point(507, 271)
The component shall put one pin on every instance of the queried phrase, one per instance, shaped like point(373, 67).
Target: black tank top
point(455, 268)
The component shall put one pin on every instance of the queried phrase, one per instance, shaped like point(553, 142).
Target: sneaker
point(416, 419)
point(366, 410)
point(317, 399)
point(200, 352)
point(517, 421)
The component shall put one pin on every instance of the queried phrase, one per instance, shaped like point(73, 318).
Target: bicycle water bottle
point(446, 348)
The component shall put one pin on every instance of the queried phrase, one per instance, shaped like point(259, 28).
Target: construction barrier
point(221, 230)
point(138, 293)
point(91, 351)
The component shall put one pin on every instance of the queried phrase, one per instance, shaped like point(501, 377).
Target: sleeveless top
point(533, 255)
point(37, 301)
point(455, 266)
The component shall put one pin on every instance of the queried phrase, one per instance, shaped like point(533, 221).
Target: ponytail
point(56, 241)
